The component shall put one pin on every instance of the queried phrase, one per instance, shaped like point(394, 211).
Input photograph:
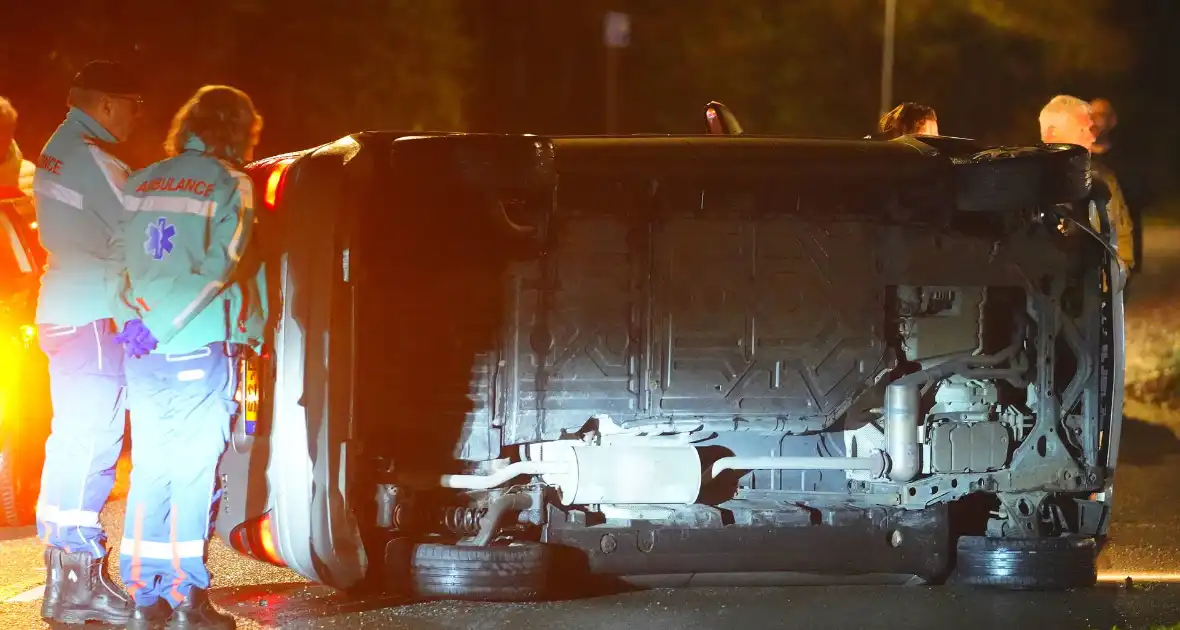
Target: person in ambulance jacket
point(188, 220)
point(77, 188)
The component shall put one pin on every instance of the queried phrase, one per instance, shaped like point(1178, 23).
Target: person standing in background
point(10, 156)
point(1067, 120)
point(1107, 157)
point(16, 173)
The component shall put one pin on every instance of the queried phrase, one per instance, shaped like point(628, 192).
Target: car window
point(14, 259)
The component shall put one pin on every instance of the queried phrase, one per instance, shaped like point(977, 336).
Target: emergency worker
point(1067, 119)
point(77, 187)
point(187, 223)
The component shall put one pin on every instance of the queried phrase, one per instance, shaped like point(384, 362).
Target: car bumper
point(866, 543)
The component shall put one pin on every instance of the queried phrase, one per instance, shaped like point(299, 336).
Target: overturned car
point(501, 360)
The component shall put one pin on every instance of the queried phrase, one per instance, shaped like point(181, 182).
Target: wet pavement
point(1145, 544)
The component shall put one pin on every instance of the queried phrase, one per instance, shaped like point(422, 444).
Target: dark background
point(320, 70)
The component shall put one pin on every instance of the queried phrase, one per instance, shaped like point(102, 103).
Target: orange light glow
point(33, 225)
point(274, 183)
point(1145, 576)
point(268, 542)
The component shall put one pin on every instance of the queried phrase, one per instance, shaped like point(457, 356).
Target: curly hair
point(223, 118)
point(905, 119)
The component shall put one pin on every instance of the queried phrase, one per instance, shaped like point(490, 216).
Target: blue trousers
point(181, 409)
point(86, 388)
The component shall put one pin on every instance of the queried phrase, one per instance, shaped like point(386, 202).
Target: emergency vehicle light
point(12, 355)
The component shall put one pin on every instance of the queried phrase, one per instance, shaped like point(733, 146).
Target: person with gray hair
point(1067, 120)
point(10, 156)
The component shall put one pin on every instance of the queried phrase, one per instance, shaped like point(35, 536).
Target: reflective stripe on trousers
point(181, 407)
point(86, 387)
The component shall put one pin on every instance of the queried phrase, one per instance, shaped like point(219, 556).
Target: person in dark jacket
point(1067, 120)
point(10, 155)
point(1107, 154)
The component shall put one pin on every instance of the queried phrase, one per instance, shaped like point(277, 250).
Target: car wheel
point(13, 511)
point(1060, 563)
point(508, 573)
point(1011, 178)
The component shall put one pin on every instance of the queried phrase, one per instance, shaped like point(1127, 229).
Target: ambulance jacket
point(187, 222)
point(79, 201)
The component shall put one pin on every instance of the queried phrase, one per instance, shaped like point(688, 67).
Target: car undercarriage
point(699, 360)
point(722, 377)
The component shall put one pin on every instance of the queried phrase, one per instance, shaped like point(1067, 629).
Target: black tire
point(1012, 178)
point(1050, 564)
point(511, 573)
point(13, 512)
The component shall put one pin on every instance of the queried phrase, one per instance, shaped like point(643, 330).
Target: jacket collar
point(194, 143)
point(89, 125)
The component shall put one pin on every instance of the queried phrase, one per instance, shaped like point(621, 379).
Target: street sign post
point(617, 30)
point(887, 56)
point(616, 35)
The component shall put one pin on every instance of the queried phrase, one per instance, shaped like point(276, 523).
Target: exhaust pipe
point(876, 463)
point(903, 402)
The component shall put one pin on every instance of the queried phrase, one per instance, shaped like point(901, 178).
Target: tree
point(1006, 57)
point(397, 64)
point(813, 66)
point(316, 72)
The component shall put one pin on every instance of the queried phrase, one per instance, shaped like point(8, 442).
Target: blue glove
point(137, 338)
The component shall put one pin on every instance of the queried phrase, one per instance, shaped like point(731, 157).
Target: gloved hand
point(137, 338)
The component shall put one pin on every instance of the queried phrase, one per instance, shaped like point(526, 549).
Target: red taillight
point(274, 183)
point(266, 537)
point(254, 538)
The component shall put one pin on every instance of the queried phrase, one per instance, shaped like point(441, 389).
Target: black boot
point(54, 577)
point(196, 613)
point(79, 589)
point(150, 617)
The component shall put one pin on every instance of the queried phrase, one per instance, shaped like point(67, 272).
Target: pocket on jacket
point(86, 349)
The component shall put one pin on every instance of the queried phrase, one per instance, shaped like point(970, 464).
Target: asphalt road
point(1144, 544)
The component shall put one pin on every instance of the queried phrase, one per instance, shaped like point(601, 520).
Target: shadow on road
point(1144, 443)
point(17, 533)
